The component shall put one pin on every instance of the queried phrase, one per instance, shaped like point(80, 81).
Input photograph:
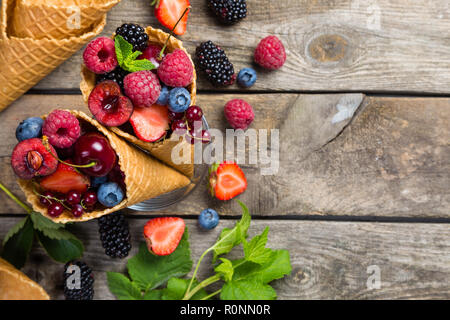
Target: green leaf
point(247, 290)
point(42, 223)
point(230, 238)
point(225, 269)
point(123, 49)
point(139, 65)
point(153, 295)
point(256, 251)
point(63, 248)
point(126, 57)
point(122, 287)
point(176, 289)
point(150, 271)
point(132, 57)
point(18, 243)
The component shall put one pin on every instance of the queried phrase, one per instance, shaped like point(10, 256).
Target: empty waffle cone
point(145, 177)
point(161, 150)
point(15, 285)
point(25, 61)
point(57, 19)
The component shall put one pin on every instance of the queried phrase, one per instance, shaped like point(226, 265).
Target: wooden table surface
point(373, 189)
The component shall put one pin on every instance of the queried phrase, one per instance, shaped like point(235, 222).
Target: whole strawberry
point(239, 113)
point(270, 53)
point(142, 87)
point(176, 69)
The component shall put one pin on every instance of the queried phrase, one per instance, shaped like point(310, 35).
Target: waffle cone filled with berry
point(37, 36)
point(73, 169)
point(141, 83)
point(14, 285)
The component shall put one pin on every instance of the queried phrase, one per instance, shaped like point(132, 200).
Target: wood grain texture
point(329, 259)
point(392, 158)
point(349, 45)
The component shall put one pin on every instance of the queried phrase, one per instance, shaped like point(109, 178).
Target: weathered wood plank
point(330, 259)
point(350, 45)
point(391, 159)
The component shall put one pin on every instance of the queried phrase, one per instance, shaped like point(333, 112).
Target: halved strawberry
point(150, 124)
point(226, 180)
point(164, 234)
point(169, 11)
point(65, 179)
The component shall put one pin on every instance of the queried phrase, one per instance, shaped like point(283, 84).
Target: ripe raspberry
point(270, 53)
point(100, 55)
point(176, 69)
point(239, 113)
point(62, 129)
point(142, 87)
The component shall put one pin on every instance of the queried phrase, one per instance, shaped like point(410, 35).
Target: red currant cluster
point(73, 201)
point(189, 123)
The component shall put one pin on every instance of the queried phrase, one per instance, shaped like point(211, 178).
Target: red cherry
point(94, 147)
point(55, 210)
point(194, 113)
point(73, 197)
point(179, 126)
point(90, 198)
point(77, 210)
point(43, 200)
point(193, 136)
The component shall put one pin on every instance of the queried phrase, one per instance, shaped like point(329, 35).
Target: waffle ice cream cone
point(25, 60)
point(14, 285)
point(145, 177)
point(161, 150)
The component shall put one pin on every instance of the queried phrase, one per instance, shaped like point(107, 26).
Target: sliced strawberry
point(169, 11)
point(150, 124)
point(164, 234)
point(226, 180)
point(65, 179)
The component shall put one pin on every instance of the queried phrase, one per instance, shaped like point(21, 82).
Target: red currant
point(90, 199)
point(193, 136)
point(194, 113)
point(44, 200)
point(179, 126)
point(73, 197)
point(55, 210)
point(206, 136)
point(175, 115)
point(77, 210)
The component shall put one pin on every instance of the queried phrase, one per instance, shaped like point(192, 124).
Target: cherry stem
point(171, 33)
point(12, 196)
point(89, 165)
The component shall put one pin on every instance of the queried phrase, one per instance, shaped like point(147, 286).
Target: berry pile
point(229, 11)
point(189, 124)
point(115, 235)
point(214, 62)
point(86, 290)
point(67, 185)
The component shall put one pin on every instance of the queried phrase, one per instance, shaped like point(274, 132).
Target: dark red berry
point(175, 115)
point(193, 136)
point(206, 136)
point(179, 126)
point(194, 113)
point(43, 199)
point(90, 198)
point(55, 210)
point(73, 197)
point(77, 210)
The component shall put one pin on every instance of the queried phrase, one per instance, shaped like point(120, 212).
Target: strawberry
point(226, 180)
point(150, 124)
point(169, 11)
point(164, 234)
point(65, 179)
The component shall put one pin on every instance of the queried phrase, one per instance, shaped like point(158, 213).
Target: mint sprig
point(247, 278)
point(61, 245)
point(127, 58)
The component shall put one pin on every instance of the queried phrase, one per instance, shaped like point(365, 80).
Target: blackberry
point(117, 75)
point(214, 62)
point(135, 35)
point(229, 11)
point(115, 235)
point(86, 290)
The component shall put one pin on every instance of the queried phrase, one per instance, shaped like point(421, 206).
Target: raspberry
point(270, 53)
point(100, 55)
point(214, 62)
point(142, 87)
point(62, 128)
point(239, 113)
point(176, 69)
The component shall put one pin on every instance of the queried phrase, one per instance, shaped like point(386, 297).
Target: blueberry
point(110, 194)
point(29, 128)
point(208, 219)
point(179, 99)
point(246, 77)
point(163, 96)
point(97, 181)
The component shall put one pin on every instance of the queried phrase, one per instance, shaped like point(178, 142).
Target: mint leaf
point(153, 295)
point(122, 287)
point(139, 65)
point(127, 58)
point(42, 223)
point(229, 238)
point(150, 271)
point(256, 251)
point(61, 245)
point(176, 289)
point(123, 49)
point(247, 290)
point(225, 269)
point(18, 242)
